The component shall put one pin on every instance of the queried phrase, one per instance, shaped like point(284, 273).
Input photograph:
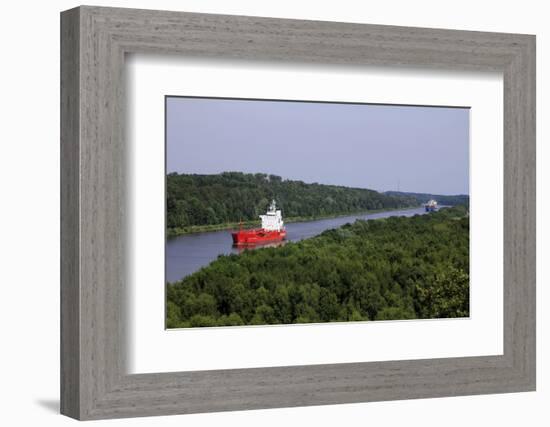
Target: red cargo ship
point(273, 230)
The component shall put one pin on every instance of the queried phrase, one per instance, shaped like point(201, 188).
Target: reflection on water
point(188, 253)
point(241, 249)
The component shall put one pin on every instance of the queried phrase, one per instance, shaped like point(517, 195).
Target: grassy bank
point(175, 232)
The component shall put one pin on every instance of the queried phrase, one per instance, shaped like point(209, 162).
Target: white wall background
point(29, 212)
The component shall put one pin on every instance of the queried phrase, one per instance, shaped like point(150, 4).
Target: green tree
point(447, 295)
point(396, 268)
point(207, 200)
point(173, 314)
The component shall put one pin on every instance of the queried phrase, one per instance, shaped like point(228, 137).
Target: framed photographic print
point(262, 213)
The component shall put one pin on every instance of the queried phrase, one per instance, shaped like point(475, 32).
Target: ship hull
point(430, 208)
point(257, 237)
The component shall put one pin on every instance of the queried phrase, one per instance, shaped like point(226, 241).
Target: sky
point(381, 147)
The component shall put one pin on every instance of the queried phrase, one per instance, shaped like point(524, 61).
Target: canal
point(188, 253)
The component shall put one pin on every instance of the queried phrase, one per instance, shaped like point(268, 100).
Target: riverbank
point(414, 267)
point(175, 232)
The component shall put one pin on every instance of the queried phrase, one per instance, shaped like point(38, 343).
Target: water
point(188, 253)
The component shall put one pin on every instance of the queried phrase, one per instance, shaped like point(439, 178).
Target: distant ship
point(272, 230)
point(431, 206)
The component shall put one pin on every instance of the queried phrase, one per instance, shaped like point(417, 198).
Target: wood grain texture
point(94, 382)
point(70, 220)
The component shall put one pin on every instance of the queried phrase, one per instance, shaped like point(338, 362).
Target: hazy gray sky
point(421, 149)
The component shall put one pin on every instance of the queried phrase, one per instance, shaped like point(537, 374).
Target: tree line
point(393, 268)
point(229, 197)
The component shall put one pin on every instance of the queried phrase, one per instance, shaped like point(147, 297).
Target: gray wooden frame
point(94, 382)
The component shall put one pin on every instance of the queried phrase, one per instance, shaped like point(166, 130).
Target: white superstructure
point(272, 220)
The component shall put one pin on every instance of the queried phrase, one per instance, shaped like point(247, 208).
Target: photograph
point(296, 212)
point(264, 213)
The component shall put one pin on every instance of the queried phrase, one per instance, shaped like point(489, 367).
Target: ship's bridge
point(273, 219)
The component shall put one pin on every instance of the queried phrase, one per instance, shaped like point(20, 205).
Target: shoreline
point(193, 229)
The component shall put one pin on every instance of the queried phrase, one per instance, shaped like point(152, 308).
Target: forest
point(392, 268)
point(200, 202)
